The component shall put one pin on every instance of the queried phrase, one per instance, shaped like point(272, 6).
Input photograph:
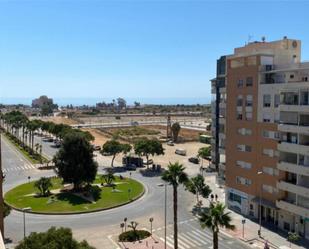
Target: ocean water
point(93, 101)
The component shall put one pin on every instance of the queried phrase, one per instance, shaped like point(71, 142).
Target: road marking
point(168, 243)
point(190, 240)
point(114, 243)
point(181, 242)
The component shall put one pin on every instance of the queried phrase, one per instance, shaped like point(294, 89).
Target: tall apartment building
point(218, 106)
point(266, 136)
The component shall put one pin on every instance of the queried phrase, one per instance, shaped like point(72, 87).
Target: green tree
point(54, 238)
point(175, 176)
point(146, 147)
point(112, 147)
point(196, 185)
point(292, 237)
point(109, 178)
point(6, 210)
point(43, 185)
point(175, 130)
point(204, 153)
point(215, 217)
point(74, 161)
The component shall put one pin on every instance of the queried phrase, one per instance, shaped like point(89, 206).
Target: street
point(106, 223)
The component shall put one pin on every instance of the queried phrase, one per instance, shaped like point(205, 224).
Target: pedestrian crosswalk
point(19, 168)
point(192, 237)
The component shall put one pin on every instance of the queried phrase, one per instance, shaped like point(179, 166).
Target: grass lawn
point(22, 196)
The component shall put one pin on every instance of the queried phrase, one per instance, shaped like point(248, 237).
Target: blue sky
point(133, 49)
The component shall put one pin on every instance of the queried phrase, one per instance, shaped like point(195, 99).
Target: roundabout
point(63, 200)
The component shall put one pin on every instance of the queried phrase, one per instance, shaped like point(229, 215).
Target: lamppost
point(129, 191)
point(259, 173)
point(151, 220)
point(125, 224)
point(243, 227)
point(165, 209)
point(121, 226)
point(27, 209)
point(29, 177)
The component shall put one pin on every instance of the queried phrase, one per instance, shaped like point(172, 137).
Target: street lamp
point(129, 191)
point(165, 209)
point(27, 209)
point(121, 226)
point(29, 177)
point(125, 224)
point(151, 220)
point(243, 227)
point(260, 206)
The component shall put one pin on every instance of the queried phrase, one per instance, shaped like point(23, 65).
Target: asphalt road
point(191, 235)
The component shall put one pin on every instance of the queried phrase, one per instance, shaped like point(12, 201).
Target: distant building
point(41, 101)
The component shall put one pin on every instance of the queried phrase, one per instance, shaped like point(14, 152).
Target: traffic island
point(61, 199)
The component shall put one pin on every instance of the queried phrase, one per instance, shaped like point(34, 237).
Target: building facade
point(267, 134)
point(218, 105)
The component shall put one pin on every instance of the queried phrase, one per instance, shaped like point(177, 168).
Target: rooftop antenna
point(250, 38)
point(263, 38)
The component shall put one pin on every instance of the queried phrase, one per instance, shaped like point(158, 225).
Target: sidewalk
point(274, 237)
point(151, 243)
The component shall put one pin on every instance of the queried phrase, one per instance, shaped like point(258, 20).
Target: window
point(239, 115)
point(249, 100)
point(243, 181)
point(292, 76)
point(249, 81)
point(268, 152)
point(266, 134)
point(239, 100)
point(235, 197)
point(268, 171)
point(244, 148)
point(266, 100)
point(244, 131)
point(240, 83)
point(266, 117)
point(243, 165)
point(267, 188)
point(248, 116)
point(277, 100)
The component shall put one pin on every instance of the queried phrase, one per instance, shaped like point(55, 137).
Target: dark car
point(194, 160)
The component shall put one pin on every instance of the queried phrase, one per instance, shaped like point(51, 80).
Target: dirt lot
point(169, 156)
point(59, 120)
point(151, 131)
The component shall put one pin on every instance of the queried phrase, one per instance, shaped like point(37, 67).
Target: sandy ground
point(59, 120)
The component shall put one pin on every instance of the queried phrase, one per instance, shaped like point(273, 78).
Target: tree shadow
point(151, 173)
point(72, 199)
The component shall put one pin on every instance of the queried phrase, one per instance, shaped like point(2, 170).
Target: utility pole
point(168, 126)
point(1, 194)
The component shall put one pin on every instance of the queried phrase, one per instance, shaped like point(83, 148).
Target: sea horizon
point(92, 101)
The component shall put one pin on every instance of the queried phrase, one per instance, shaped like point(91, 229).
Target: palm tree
point(215, 217)
point(175, 176)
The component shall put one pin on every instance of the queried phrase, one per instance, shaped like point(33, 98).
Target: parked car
point(194, 160)
point(170, 143)
point(181, 152)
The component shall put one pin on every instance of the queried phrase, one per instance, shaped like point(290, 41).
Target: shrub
point(131, 236)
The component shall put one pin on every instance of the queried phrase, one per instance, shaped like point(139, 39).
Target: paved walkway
point(151, 243)
point(274, 238)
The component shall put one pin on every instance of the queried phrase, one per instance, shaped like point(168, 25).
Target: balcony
point(293, 148)
point(222, 105)
point(222, 166)
point(294, 128)
point(293, 208)
point(293, 168)
point(293, 188)
point(222, 150)
point(222, 90)
point(222, 120)
point(293, 108)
